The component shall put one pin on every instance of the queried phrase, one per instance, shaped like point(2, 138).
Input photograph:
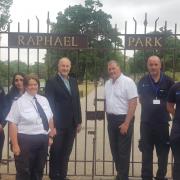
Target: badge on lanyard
point(156, 101)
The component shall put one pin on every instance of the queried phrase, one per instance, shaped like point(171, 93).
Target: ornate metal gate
point(91, 153)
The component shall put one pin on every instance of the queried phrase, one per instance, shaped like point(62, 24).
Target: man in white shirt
point(121, 100)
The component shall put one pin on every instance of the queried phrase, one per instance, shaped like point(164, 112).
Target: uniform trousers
point(2, 137)
point(120, 145)
point(60, 152)
point(175, 146)
point(31, 161)
point(158, 136)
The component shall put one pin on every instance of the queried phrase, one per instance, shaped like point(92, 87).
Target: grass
point(82, 88)
point(177, 75)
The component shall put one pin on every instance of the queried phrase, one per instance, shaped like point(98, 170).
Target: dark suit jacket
point(65, 106)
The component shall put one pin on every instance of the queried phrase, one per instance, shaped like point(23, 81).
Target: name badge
point(156, 101)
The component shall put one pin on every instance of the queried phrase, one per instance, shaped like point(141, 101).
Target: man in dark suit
point(63, 95)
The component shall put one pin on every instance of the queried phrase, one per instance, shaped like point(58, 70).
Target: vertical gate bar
point(75, 163)
point(85, 136)
point(134, 61)
point(48, 22)
point(125, 29)
point(133, 152)
point(145, 23)
point(94, 160)
point(18, 47)
point(38, 73)
point(104, 140)
point(95, 103)
point(47, 52)
point(8, 91)
point(145, 31)
point(134, 51)
point(174, 52)
point(164, 58)
point(155, 30)
point(104, 135)
point(104, 144)
point(115, 47)
point(28, 28)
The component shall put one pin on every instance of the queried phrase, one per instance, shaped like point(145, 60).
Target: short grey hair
point(113, 62)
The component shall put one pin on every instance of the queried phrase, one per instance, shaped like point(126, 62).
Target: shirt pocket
point(162, 93)
point(29, 116)
point(119, 93)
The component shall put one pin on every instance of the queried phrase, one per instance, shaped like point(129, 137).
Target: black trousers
point(154, 136)
point(120, 145)
point(60, 152)
point(175, 146)
point(31, 161)
point(2, 137)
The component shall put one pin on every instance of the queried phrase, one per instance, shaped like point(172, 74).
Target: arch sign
point(144, 41)
point(47, 40)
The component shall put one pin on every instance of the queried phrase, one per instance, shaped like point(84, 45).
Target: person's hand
point(50, 141)
point(16, 150)
point(124, 128)
point(53, 132)
point(78, 129)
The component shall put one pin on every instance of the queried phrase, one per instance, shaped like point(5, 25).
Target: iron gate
point(91, 153)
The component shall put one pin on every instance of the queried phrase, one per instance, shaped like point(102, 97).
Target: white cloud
point(120, 10)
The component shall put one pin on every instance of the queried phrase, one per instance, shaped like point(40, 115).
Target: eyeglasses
point(16, 80)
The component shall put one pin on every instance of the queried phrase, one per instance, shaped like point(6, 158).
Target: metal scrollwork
point(5, 27)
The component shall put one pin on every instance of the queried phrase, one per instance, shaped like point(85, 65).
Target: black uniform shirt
point(149, 91)
point(174, 97)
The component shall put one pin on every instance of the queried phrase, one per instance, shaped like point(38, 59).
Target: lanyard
point(156, 86)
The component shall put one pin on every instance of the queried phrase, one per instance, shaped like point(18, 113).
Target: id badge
point(156, 101)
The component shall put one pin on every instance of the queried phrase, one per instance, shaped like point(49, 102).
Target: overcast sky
point(120, 10)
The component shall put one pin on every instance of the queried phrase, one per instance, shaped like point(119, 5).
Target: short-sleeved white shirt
point(25, 115)
point(118, 94)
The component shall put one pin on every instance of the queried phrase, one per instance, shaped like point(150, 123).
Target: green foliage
point(169, 55)
point(18, 66)
point(4, 11)
point(88, 20)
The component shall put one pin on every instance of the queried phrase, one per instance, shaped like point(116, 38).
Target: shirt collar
point(63, 77)
point(30, 97)
point(118, 79)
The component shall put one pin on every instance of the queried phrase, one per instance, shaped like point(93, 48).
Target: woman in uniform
point(31, 128)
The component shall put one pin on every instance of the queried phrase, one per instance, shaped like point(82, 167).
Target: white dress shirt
point(25, 115)
point(118, 94)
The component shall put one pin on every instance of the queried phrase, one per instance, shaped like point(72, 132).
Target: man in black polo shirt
point(153, 89)
point(173, 107)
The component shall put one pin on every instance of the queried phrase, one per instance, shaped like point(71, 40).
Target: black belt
point(118, 117)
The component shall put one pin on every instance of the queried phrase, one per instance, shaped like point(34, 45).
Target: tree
point(170, 54)
point(4, 11)
point(88, 20)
